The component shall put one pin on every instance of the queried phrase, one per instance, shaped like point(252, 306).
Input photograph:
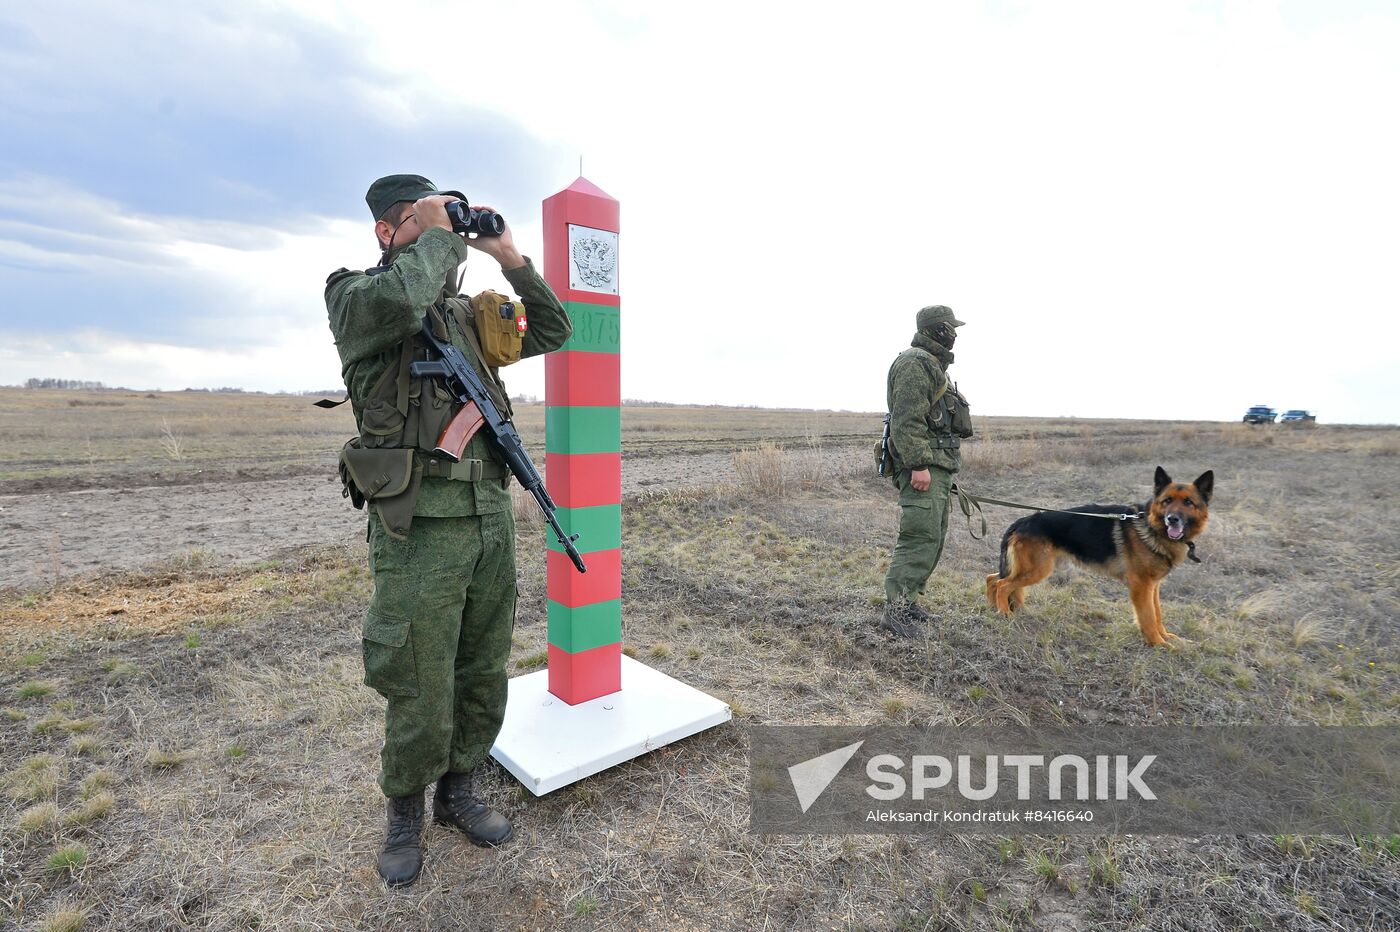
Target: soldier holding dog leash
point(928, 419)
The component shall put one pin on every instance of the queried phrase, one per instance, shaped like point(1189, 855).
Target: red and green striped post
point(583, 444)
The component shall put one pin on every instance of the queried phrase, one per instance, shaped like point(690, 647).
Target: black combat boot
point(454, 804)
point(402, 856)
point(904, 619)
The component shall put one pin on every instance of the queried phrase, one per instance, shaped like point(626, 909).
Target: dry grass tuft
point(172, 443)
point(761, 470)
point(34, 779)
point(895, 707)
point(41, 816)
point(1310, 629)
point(49, 723)
point(64, 919)
point(772, 472)
point(530, 661)
point(159, 758)
point(92, 809)
point(86, 745)
point(95, 783)
point(1267, 603)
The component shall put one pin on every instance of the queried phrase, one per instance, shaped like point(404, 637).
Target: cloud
point(188, 177)
point(1076, 179)
point(256, 115)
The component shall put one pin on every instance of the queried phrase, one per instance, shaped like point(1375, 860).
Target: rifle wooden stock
point(459, 432)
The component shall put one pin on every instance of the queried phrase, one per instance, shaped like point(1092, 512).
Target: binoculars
point(467, 219)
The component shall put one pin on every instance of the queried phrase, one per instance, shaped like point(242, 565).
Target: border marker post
point(592, 708)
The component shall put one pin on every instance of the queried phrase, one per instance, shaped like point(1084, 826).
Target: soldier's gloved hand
point(501, 248)
point(920, 480)
point(431, 211)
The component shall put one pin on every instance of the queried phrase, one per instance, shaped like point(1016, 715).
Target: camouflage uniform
point(922, 437)
point(437, 634)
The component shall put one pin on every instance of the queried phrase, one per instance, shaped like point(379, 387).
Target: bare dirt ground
point(117, 480)
point(50, 535)
point(187, 744)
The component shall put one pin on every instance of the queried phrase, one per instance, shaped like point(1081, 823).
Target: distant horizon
point(641, 403)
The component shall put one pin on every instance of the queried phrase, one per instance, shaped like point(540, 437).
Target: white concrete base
point(548, 743)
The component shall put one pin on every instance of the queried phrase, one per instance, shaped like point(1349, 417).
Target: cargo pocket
point(390, 667)
point(910, 496)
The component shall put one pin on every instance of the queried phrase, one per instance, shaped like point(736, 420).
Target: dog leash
point(1116, 516)
point(968, 503)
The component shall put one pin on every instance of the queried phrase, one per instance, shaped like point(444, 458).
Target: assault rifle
point(460, 378)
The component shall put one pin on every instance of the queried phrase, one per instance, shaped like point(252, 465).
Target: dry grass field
point(185, 742)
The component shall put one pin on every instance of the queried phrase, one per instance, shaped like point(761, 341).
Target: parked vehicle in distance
point(1297, 416)
point(1260, 414)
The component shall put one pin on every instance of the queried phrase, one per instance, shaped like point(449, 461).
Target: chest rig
point(404, 412)
point(950, 416)
point(401, 420)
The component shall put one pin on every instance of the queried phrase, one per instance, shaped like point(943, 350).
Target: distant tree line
point(62, 383)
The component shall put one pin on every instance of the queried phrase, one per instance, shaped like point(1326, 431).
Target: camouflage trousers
point(436, 640)
point(923, 527)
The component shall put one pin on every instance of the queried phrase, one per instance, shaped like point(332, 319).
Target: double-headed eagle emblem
point(595, 259)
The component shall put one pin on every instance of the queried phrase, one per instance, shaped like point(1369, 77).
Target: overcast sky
point(1155, 209)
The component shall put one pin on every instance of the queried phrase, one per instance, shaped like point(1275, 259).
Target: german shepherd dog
point(1140, 551)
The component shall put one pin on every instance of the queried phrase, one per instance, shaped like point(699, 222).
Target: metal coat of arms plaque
point(592, 260)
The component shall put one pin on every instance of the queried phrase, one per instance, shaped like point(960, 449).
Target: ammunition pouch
point(959, 413)
point(388, 479)
point(950, 415)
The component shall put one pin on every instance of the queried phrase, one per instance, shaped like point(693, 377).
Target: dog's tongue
point(1174, 531)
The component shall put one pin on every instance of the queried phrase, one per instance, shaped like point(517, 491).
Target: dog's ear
point(1205, 484)
point(1160, 481)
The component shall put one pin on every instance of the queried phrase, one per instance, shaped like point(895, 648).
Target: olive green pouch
point(961, 413)
point(388, 479)
point(381, 424)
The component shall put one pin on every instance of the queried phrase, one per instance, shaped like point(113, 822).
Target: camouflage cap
point(935, 314)
point(391, 189)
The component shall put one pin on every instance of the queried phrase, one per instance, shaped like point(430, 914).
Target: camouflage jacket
point(371, 316)
point(920, 430)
